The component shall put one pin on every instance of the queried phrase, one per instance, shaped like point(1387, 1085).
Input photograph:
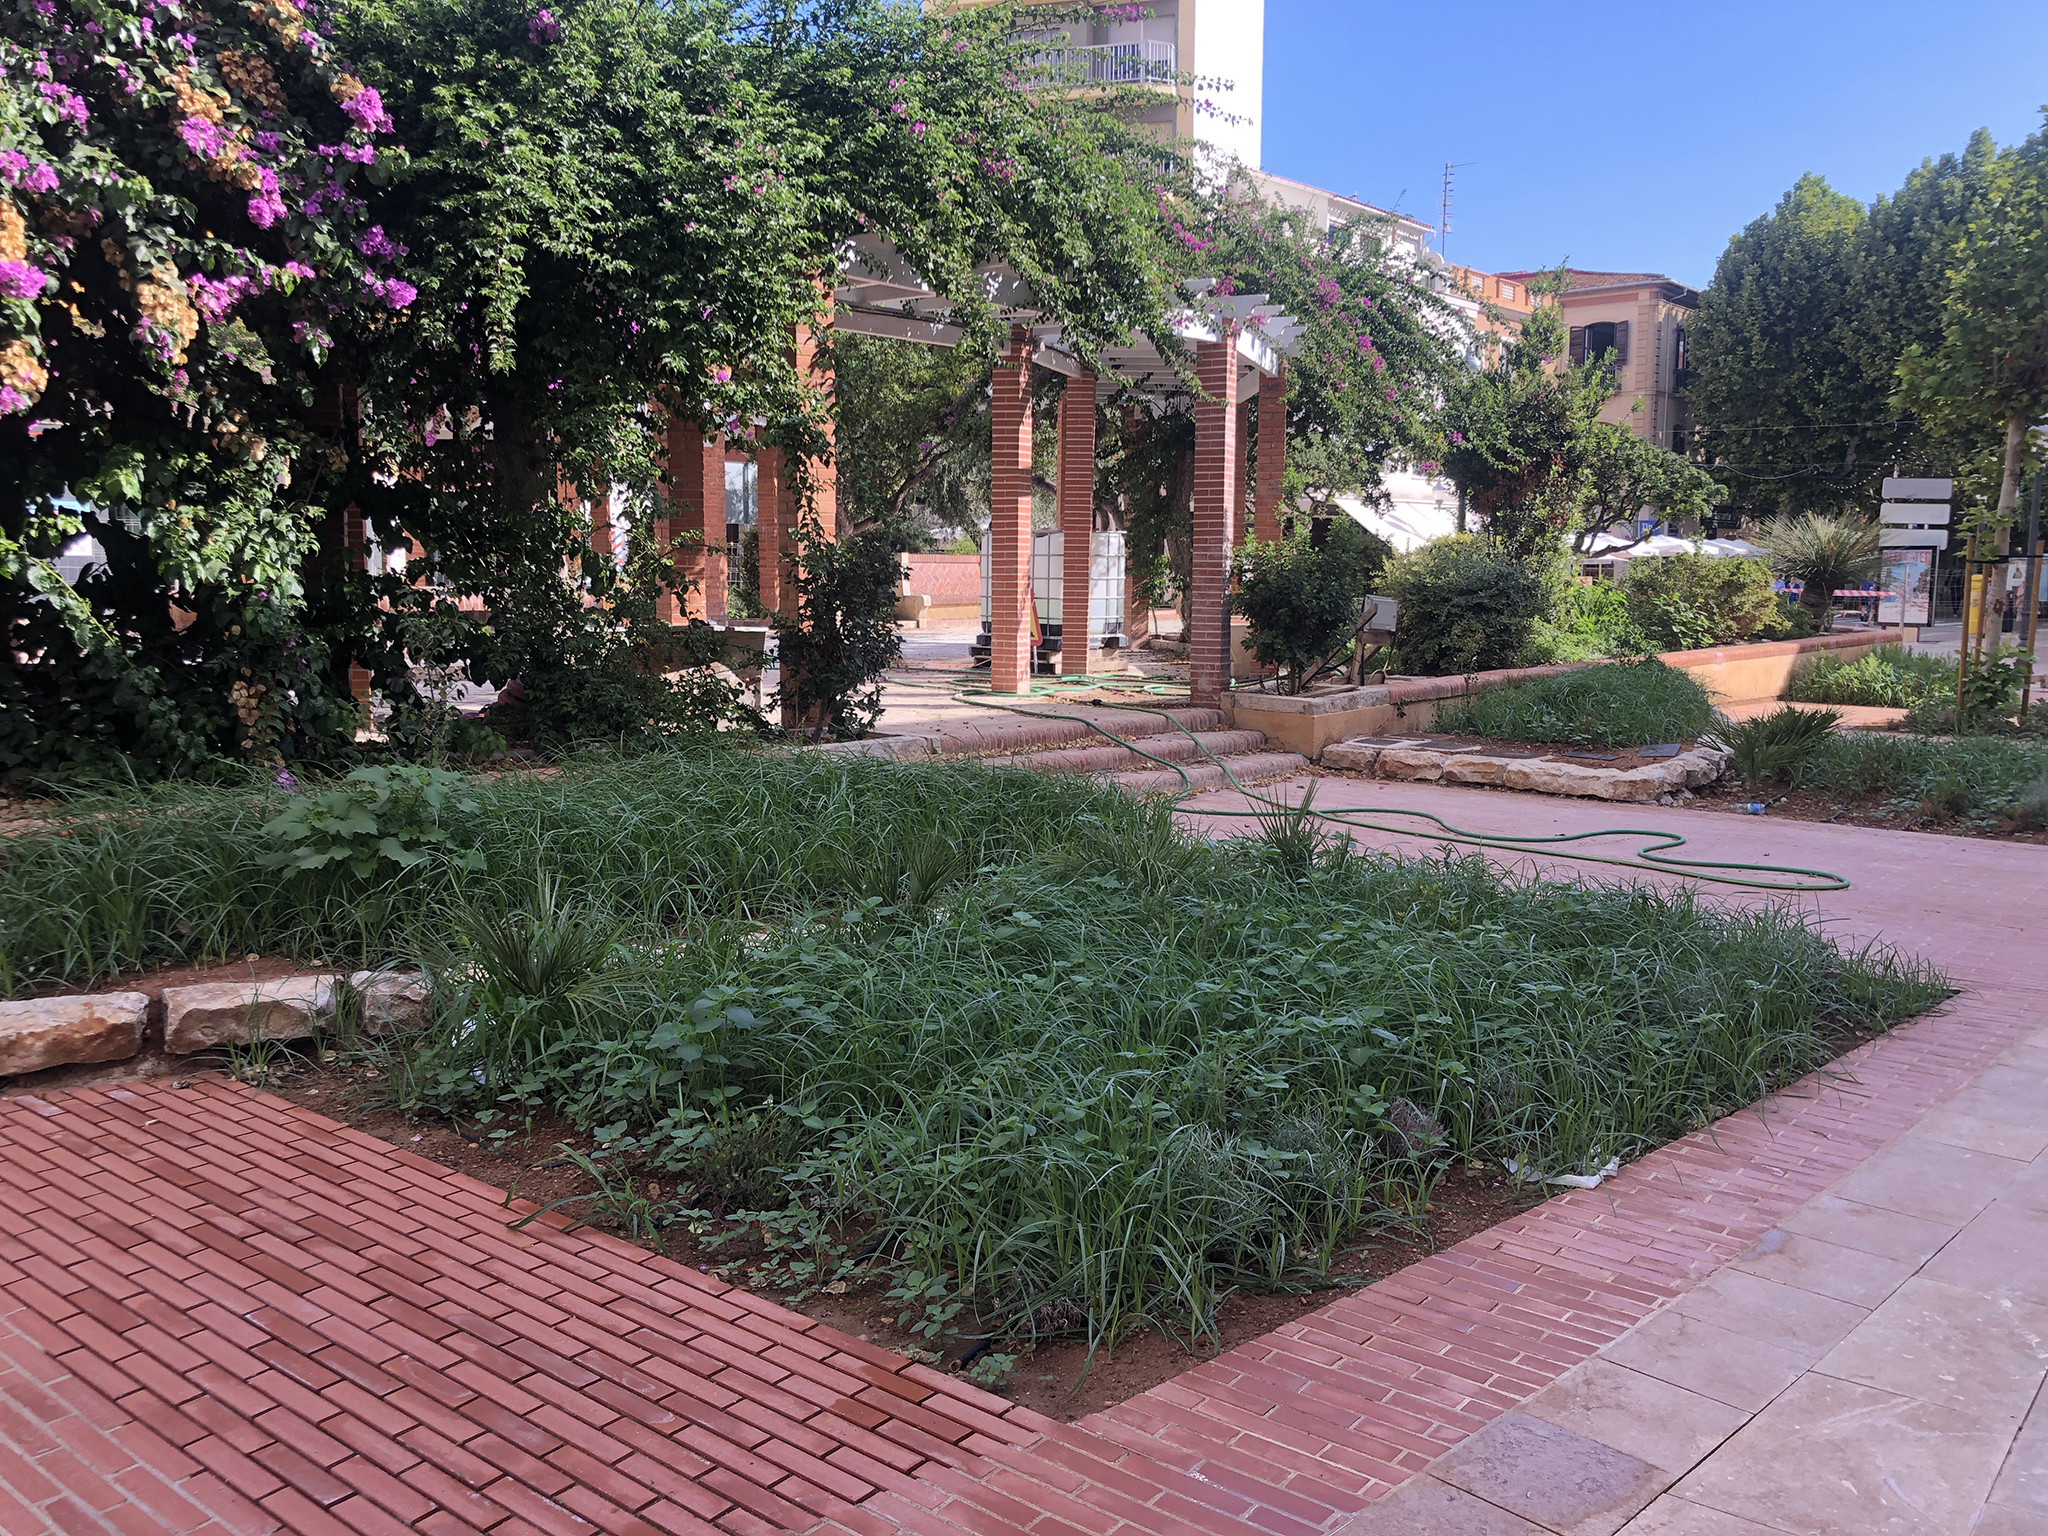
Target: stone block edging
point(1421, 762)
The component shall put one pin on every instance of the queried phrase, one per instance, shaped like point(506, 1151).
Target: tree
point(1304, 593)
point(912, 438)
point(183, 244)
point(1518, 434)
point(1625, 474)
point(1986, 379)
point(1824, 553)
point(1794, 345)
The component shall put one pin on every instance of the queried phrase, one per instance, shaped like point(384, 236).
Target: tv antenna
point(1443, 234)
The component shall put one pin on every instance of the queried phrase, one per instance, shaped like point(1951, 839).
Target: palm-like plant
point(1824, 553)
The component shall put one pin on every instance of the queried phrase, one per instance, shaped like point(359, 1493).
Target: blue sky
point(1634, 138)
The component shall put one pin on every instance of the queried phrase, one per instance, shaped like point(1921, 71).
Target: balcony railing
point(1109, 63)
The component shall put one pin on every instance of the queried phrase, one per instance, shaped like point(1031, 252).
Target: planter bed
point(1600, 773)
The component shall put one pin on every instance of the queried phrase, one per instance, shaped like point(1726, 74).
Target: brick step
point(1248, 768)
point(985, 735)
point(1108, 757)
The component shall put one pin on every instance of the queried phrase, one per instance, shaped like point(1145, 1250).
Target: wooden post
point(1077, 522)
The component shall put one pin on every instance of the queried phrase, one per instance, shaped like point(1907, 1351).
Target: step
point(1249, 768)
point(1108, 757)
point(984, 735)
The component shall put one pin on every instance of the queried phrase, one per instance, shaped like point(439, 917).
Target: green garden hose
point(1654, 856)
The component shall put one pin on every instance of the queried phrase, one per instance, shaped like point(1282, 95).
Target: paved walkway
point(218, 1311)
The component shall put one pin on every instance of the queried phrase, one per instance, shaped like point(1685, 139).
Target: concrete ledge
point(1311, 723)
point(42, 1032)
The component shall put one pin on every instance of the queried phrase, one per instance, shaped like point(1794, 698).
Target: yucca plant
point(1823, 553)
point(1777, 745)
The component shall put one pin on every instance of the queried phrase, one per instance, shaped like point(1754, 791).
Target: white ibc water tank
point(1048, 582)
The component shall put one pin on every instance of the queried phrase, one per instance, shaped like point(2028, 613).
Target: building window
point(1603, 338)
point(1507, 292)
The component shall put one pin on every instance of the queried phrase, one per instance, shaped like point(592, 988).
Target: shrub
point(1303, 594)
point(1587, 621)
point(1622, 704)
point(1685, 602)
point(1777, 745)
point(1890, 677)
point(1465, 607)
point(841, 634)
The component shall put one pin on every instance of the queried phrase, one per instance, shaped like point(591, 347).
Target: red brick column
point(696, 510)
point(1010, 520)
point(1215, 501)
point(1077, 520)
point(769, 499)
point(1272, 454)
point(823, 476)
point(1241, 507)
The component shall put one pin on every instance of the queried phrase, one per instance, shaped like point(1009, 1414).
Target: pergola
point(1239, 340)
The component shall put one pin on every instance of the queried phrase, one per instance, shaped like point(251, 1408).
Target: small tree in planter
point(1304, 595)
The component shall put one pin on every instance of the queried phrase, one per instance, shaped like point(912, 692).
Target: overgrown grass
point(1971, 773)
point(1890, 677)
point(1621, 704)
point(1050, 1055)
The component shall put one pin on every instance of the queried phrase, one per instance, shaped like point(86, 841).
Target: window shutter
point(1578, 344)
point(1621, 341)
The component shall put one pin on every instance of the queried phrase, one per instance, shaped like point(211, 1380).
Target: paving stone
point(1832, 1457)
point(2023, 1480)
point(1945, 1345)
point(1827, 1269)
point(1783, 1315)
point(1550, 1476)
point(37, 1033)
point(1929, 1179)
point(239, 1012)
point(1871, 1228)
point(1426, 1507)
point(2000, 1253)
point(1671, 1516)
point(1664, 1425)
point(1980, 1134)
point(1742, 1372)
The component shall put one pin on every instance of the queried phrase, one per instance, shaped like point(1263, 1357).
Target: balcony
point(1109, 64)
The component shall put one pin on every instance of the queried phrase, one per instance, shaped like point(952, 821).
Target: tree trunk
point(2009, 482)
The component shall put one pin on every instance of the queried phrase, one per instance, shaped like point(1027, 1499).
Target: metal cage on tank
point(1105, 595)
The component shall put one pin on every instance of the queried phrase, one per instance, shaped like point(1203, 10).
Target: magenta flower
point(12, 400)
point(366, 110)
point(1457, 437)
point(543, 28)
point(20, 280)
point(204, 138)
point(265, 209)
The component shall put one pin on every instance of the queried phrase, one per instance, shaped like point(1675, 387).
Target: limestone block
point(388, 1000)
point(1358, 756)
point(1702, 765)
point(1639, 786)
point(41, 1032)
point(238, 1012)
point(1548, 778)
point(1474, 768)
point(1417, 764)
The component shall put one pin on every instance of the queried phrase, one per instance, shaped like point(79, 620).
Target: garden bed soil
point(1861, 810)
point(1055, 1378)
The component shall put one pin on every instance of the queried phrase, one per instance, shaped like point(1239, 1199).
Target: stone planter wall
point(39, 1033)
point(1427, 762)
point(1408, 705)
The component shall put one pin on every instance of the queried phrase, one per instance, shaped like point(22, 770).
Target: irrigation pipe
point(1655, 855)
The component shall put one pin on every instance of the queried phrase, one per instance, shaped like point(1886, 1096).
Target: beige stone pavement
point(1875, 1364)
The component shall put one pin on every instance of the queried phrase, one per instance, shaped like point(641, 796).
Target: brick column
point(1272, 454)
point(1010, 519)
point(1241, 507)
point(768, 508)
point(1215, 501)
point(696, 510)
point(824, 480)
point(1077, 521)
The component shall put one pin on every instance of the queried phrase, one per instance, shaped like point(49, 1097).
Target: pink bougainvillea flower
point(543, 28)
point(204, 138)
point(21, 280)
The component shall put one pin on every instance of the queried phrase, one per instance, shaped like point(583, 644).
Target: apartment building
point(1220, 45)
point(1638, 320)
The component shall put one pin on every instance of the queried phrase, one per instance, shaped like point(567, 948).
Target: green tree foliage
point(841, 633)
point(1518, 435)
point(1625, 474)
point(1795, 344)
point(1985, 381)
point(1465, 606)
point(1303, 595)
point(912, 437)
point(182, 241)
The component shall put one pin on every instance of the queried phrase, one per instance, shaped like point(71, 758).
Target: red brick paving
point(221, 1312)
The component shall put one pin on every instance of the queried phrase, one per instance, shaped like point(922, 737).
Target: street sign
point(1912, 538)
point(1896, 489)
point(1924, 514)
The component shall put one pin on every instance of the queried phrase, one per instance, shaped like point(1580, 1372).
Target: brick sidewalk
point(219, 1311)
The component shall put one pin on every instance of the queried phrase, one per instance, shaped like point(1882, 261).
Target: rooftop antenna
point(1443, 234)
